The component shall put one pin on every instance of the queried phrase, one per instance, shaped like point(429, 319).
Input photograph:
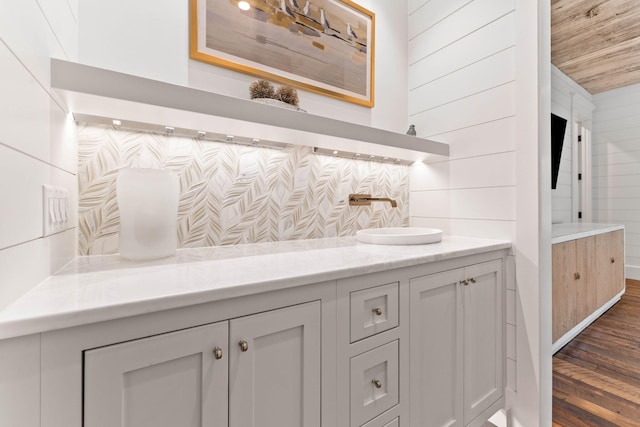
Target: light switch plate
point(55, 209)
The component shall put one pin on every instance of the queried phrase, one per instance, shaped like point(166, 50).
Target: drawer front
point(379, 423)
point(373, 310)
point(374, 383)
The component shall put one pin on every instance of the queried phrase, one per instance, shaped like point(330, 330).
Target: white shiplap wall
point(37, 140)
point(462, 89)
point(570, 101)
point(616, 167)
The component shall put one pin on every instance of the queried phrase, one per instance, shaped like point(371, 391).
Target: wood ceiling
point(597, 42)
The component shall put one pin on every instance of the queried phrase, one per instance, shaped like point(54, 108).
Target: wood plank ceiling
point(597, 42)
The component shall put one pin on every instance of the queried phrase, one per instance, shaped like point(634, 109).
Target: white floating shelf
point(99, 92)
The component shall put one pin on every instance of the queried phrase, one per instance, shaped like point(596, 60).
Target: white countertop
point(565, 231)
point(98, 288)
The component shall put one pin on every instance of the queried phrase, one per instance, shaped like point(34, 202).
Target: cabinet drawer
point(373, 310)
point(374, 383)
point(379, 423)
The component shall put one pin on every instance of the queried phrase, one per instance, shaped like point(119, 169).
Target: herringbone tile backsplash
point(232, 194)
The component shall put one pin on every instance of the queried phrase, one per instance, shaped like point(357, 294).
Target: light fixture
point(168, 130)
point(361, 156)
point(255, 141)
point(229, 138)
point(244, 5)
point(116, 122)
point(201, 134)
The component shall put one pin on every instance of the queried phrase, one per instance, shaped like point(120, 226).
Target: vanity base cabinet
point(457, 346)
point(421, 345)
point(263, 369)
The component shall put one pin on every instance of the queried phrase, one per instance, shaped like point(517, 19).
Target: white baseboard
point(632, 272)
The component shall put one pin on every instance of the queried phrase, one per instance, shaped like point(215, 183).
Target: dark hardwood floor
point(596, 377)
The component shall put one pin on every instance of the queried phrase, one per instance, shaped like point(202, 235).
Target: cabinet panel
point(275, 377)
point(483, 338)
point(375, 423)
point(436, 349)
point(374, 383)
point(610, 265)
point(166, 380)
point(373, 310)
point(585, 286)
point(617, 254)
point(564, 292)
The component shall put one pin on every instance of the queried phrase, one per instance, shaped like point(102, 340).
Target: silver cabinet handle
point(472, 280)
point(464, 282)
point(244, 346)
point(377, 311)
point(377, 383)
point(217, 352)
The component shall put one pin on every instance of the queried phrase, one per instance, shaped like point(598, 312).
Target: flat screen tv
point(558, 127)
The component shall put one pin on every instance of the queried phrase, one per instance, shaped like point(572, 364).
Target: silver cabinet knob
point(377, 311)
point(472, 280)
point(377, 383)
point(464, 282)
point(244, 346)
point(217, 352)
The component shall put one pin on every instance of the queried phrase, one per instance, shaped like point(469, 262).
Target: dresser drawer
point(374, 383)
point(373, 310)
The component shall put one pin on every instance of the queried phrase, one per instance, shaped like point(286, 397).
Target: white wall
point(461, 91)
point(616, 167)
point(473, 83)
point(150, 39)
point(570, 101)
point(37, 141)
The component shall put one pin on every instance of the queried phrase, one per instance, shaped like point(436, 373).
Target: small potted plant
point(285, 96)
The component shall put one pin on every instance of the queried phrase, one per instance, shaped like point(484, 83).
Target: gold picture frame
point(322, 46)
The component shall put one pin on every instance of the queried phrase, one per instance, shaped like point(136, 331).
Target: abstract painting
point(323, 46)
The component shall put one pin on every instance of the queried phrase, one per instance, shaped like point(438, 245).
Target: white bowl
point(399, 235)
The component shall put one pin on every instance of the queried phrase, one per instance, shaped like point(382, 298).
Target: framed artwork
point(323, 46)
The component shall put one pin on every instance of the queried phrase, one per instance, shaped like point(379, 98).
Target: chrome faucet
point(366, 199)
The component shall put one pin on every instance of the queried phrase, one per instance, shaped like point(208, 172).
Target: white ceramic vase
point(148, 203)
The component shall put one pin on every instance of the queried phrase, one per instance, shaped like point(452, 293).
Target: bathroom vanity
point(355, 334)
point(588, 275)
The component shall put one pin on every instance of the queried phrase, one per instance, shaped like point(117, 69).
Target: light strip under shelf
point(223, 137)
point(177, 131)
